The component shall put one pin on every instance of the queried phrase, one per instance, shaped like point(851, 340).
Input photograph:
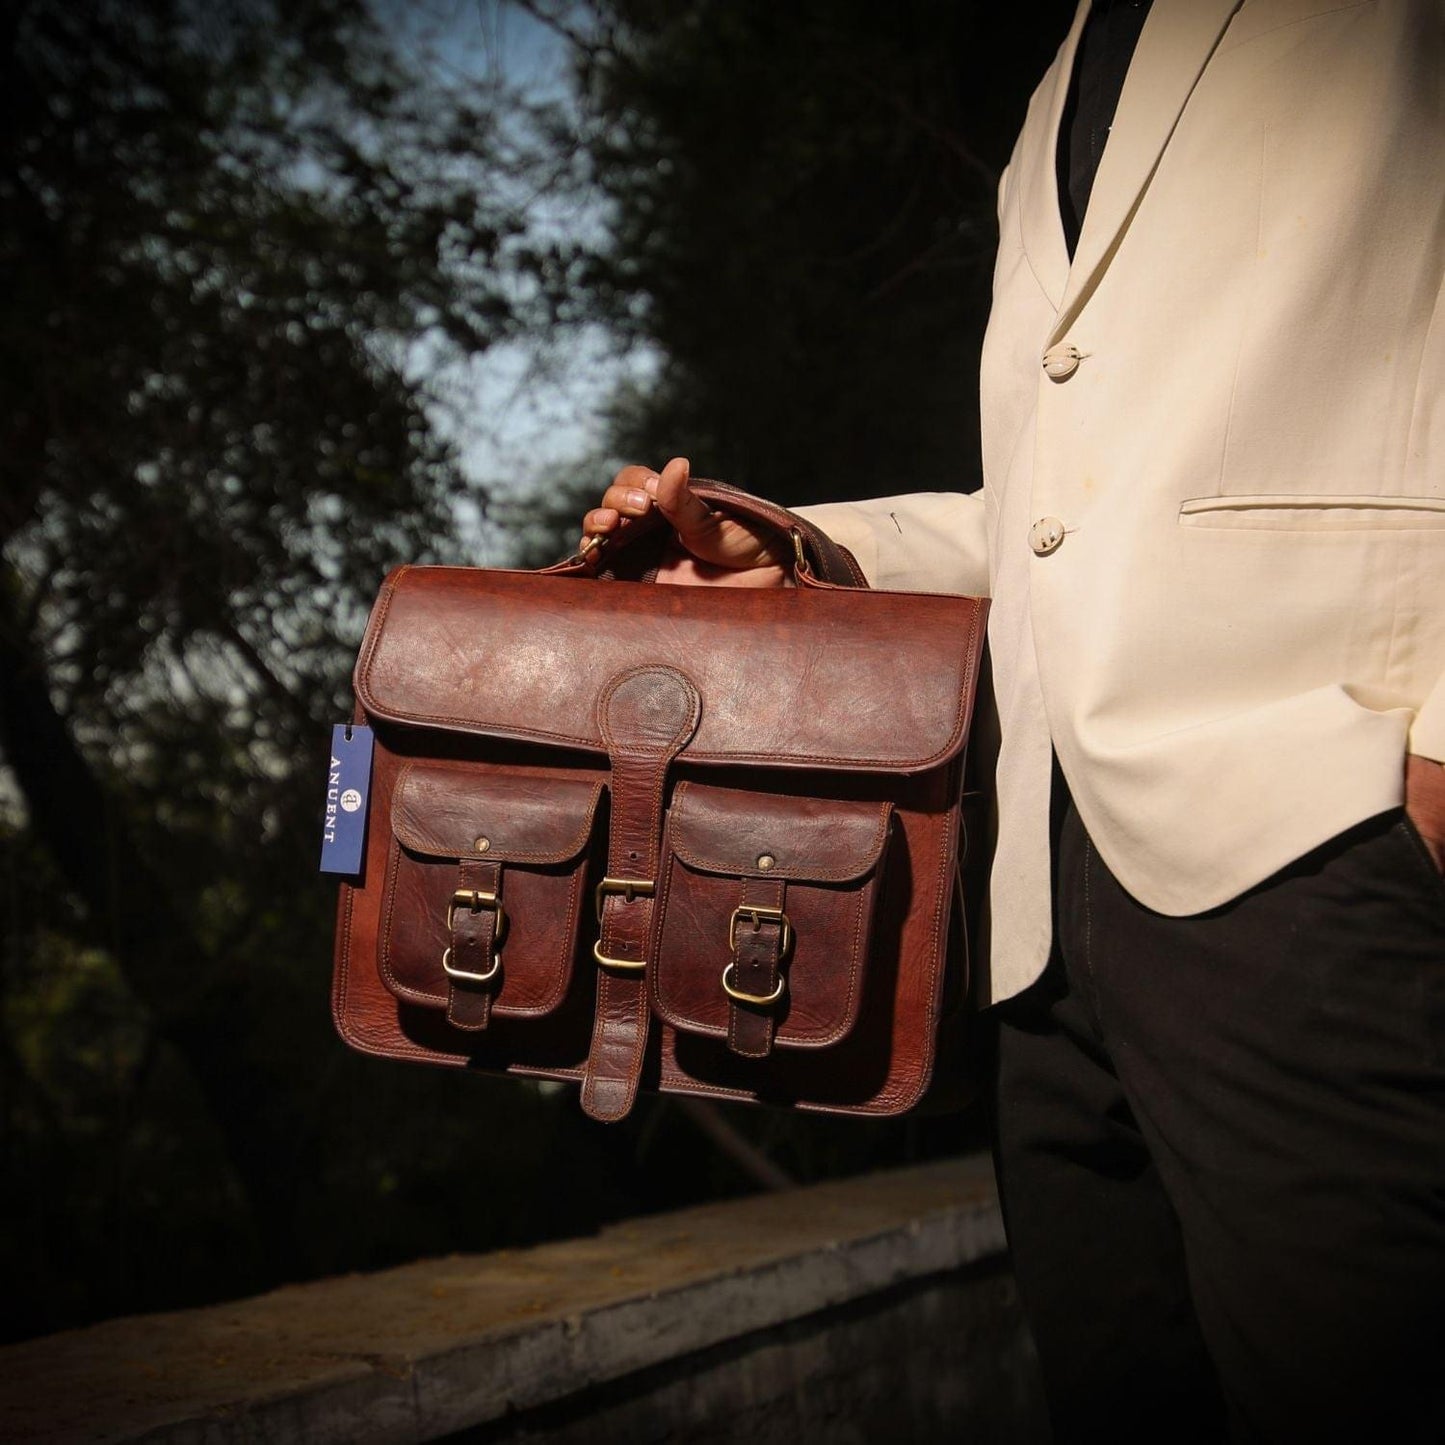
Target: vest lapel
point(1178, 39)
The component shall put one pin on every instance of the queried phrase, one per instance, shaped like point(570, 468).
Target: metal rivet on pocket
point(482, 844)
point(766, 861)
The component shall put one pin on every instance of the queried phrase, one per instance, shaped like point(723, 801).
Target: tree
point(228, 227)
point(239, 235)
point(804, 200)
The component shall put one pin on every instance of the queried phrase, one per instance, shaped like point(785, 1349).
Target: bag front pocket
point(484, 887)
point(765, 915)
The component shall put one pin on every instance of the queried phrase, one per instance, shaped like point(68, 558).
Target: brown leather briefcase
point(702, 840)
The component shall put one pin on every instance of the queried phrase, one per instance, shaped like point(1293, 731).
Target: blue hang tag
point(348, 781)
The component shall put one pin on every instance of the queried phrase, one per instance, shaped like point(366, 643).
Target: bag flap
point(823, 841)
point(841, 679)
point(459, 812)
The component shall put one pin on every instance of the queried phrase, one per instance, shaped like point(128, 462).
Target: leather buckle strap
point(476, 899)
point(761, 999)
point(646, 716)
point(760, 937)
point(477, 924)
point(755, 913)
point(627, 889)
point(452, 971)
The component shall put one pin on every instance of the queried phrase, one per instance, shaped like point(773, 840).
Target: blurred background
point(296, 292)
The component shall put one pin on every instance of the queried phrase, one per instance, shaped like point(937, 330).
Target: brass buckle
point(470, 977)
point(607, 961)
point(760, 998)
point(475, 899)
point(629, 888)
point(757, 913)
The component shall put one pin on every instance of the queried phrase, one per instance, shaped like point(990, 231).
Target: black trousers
point(1221, 1150)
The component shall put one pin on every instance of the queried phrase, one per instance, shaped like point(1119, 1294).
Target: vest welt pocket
point(472, 836)
point(801, 872)
point(1304, 512)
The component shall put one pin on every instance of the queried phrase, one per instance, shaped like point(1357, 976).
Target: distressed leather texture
point(697, 840)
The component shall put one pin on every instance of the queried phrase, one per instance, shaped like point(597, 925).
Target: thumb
point(671, 489)
point(708, 535)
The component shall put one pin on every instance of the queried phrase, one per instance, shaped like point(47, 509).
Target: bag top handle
point(817, 559)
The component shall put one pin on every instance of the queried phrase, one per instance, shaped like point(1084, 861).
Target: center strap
point(647, 716)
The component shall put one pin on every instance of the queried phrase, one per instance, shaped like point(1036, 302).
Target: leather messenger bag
point(694, 839)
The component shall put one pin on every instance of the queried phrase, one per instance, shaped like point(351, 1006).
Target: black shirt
point(1105, 49)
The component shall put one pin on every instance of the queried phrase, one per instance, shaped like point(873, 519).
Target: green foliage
point(234, 233)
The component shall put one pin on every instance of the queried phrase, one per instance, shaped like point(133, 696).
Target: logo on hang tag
point(348, 781)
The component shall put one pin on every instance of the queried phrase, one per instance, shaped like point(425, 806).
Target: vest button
point(1046, 535)
point(1061, 361)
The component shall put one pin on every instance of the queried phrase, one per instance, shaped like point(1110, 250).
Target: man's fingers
point(634, 476)
point(712, 540)
point(628, 500)
point(690, 516)
point(599, 520)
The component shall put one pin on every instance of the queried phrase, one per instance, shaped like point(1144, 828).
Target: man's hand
point(1425, 803)
point(709, 549)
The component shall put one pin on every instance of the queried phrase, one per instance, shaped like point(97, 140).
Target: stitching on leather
point(817, 874)
point(733, 1012)
point(850, 1008)
point(899, 1099)
point(343, 962)
point(374, 633)
point(654, 975)
point(658, 669)
point(852, 763)
point(668, 1011)
point(664, 1008)
point(686, 1084)
point(607, 1029)
point(672, 1015)
point(410, 992)
point(471, 725)
point(560, 1074)
point(341, 1014)
point(562, 975)
point(657, 761)
point(419, 844)
point(611, 909)
point(488, 1005)
point(850, 1016)
point(681, 1080)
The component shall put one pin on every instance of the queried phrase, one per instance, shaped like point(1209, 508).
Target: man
point(1213, 528)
